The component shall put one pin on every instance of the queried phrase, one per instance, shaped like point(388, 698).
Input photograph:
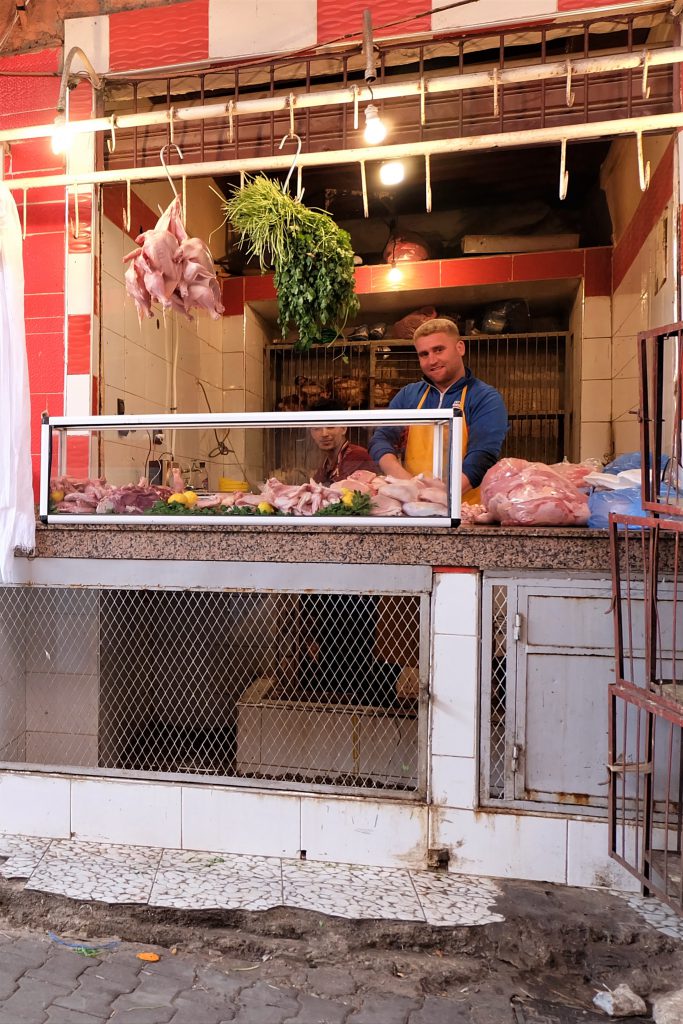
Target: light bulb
point(61, 137)
point(392, 172)
point(375, 129)
point(395, 275)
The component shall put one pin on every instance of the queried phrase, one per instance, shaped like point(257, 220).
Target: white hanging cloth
point(17, 516)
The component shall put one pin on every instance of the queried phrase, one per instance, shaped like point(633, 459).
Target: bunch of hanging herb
point(312, 257)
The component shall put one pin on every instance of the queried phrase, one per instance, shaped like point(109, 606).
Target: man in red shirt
point(341, 457)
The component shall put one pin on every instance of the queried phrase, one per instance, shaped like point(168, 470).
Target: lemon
point(177, 499)
point(265, 506)
point(56, 496)
point(347, 498)
point(190, 498)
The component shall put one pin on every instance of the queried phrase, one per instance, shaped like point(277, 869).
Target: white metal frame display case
point(447, 460)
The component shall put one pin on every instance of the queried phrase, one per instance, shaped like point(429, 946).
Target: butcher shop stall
point(215, 645)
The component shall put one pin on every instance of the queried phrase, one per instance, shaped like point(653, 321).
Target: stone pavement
point(42, 982)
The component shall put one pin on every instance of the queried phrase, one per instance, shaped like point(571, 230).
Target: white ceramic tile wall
point(61, 748)
point(364, 831)
point(240, 821)
point(588, 860)
point(131, 813)
point(455, 607)
point(54, 701)
point(455, 662)
point(33, 805)
point(454, 781)
point(502, 845)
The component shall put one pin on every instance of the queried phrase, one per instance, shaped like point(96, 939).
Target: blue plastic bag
point(626, 501)
point(630, 460)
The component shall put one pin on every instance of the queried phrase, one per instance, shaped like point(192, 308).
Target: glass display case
point(220, 468)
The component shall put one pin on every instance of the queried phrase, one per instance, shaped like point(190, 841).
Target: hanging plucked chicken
point(172, 269)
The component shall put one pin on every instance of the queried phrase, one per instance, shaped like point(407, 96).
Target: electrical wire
point(222, 446)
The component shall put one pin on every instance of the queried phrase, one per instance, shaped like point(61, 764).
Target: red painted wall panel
point(338, 19)
point(646, 216)
point(159, 37)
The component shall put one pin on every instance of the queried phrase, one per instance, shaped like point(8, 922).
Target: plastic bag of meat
point(520, 493)
point(406, 327)
point(576, 472)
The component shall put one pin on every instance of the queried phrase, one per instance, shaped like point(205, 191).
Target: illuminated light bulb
point(392, 172)
point(375, 129)
point(395, 275)
point(61, 138)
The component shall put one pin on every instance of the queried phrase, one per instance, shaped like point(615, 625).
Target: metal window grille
point(318, 688)
point(528, 370)
point(495, 695)
point(646, 705)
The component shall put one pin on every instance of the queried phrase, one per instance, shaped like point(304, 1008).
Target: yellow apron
point(420, 447)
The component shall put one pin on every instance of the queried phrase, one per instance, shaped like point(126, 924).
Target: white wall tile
point(456, 603)
point(142, 813)
point(502, 845)
point(55, 702)
point(78, 396)
point(596, 358)
point(588, 860)
point(61, 749)
point(455, 668)
point(79, 284)
point(362, 831)
point(489, 12)
point(267, 26)
point(33, 805)
point(454, 781)
point(92, 35)
point(597, 316)
point(241, 821)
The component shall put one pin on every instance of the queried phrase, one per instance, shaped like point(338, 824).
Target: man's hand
point(391, 466)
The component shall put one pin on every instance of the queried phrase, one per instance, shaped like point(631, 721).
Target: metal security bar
point(660, 353)
point(646, 704)
point(279, 687)
point(495, 679)
point(529, 370)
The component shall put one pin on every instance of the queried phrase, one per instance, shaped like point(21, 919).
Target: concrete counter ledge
point(480, 547)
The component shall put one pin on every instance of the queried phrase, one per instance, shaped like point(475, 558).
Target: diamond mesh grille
point(301, 687)
point(499, 632)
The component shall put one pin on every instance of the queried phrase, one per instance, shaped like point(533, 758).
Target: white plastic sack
point(17, 519)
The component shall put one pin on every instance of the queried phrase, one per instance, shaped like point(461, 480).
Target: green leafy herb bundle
point(312, 256)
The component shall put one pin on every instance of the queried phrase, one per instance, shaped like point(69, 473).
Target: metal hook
point(564, 173)
point(111, 143)
point(171, 116)
point(647, 56)
point(23, 226)
point(355, 108)
point(292, 135)
point(291, 102)
point(428, 183)
point(496, 108)
point(5, 151)
point(364, 187)
point(643, 168)
point(163, 164)
point(231, 127)
point(184, 201)
point(126, 212)
point(570, 96)
point(423, 117)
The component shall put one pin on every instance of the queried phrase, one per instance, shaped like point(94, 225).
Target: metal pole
point(473, 144)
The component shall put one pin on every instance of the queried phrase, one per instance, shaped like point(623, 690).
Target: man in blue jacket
point(446, 381)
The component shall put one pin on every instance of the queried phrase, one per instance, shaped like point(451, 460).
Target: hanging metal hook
point(293, 135)
point(171, 125)
point(163, 164)
point(231, 126)
point(496, 108)
point(364, 187)
point(291, 103)
point(428, 183)
point(564, 173)
point(111, 142)
point(647, 56)
point(355, 108)
point(643, 168)
point(184, 200)
point(126, 212)
point(23, 225)
point(570, 96)
point(5, 151)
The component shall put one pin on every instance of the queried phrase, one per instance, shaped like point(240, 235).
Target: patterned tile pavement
point(186, 879)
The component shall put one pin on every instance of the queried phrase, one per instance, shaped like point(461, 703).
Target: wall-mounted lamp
point(62, 136)
point(395, 275)
point(392, 172)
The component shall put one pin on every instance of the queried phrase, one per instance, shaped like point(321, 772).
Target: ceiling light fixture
point(392, 172)
point(395, 275)
point(62, 136)
point(375, 128)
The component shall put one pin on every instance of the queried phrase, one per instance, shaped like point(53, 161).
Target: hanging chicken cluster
point(172, 269)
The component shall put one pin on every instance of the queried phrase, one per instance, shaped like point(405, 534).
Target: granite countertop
point(481, 547)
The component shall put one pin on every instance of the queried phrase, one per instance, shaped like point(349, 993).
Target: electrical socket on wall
point(121, 411)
